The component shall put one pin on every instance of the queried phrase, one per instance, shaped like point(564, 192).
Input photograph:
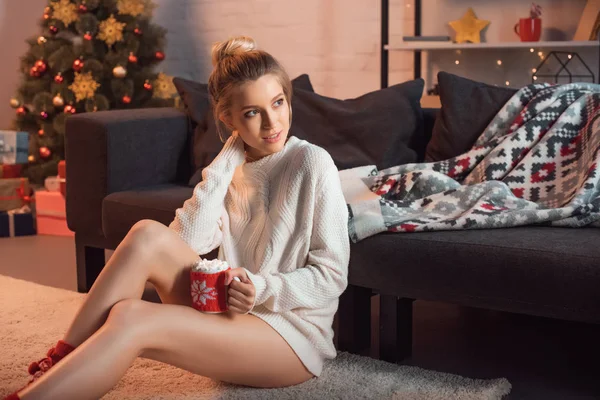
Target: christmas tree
point(92, 55)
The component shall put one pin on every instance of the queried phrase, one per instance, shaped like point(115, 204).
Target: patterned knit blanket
point(535, 164)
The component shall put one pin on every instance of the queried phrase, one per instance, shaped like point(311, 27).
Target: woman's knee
point(147, 234)
point(128, 314)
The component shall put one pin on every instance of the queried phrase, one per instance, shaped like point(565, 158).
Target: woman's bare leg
point(150, 252)
point(234, 348)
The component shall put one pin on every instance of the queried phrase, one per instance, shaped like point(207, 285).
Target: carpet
point(33, 317)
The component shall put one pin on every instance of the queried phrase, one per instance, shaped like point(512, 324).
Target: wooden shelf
point(501, 45)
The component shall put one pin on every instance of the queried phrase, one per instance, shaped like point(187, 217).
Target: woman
point(274, 206)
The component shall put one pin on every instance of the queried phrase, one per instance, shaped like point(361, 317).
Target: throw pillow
point(467, 109)
point(382, 128)
point(206, 144)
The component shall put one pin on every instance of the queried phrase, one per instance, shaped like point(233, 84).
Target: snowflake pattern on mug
point(201, 293)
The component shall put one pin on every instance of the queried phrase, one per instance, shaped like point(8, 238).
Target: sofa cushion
point(545, 271)
point(121, 210)
point(382, 128)
point(206, 144)
point(467, 109)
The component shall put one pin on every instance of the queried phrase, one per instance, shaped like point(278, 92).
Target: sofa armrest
point(112, 151)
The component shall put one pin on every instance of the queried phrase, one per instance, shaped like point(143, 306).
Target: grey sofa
point(123, 166)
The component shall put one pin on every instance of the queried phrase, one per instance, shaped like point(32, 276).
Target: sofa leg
point(395, 328)
point(352, 325)
point(90, 261)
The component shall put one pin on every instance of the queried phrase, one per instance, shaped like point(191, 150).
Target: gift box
point(51, 216)
point(14, 147)
point(17, 222)
point(14, 193)
point(10, 171)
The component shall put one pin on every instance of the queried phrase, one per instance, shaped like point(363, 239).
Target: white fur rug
point(33, 317)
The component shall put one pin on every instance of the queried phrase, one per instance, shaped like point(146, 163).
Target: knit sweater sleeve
point(325, 275)
point(198, 221)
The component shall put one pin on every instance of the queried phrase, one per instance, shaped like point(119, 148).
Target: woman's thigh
point(229, 347)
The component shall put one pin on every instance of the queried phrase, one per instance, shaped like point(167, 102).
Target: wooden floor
point(544, 359)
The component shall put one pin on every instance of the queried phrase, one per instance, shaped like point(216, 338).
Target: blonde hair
point(236, 61)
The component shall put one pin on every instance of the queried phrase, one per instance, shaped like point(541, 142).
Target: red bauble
point(53, 29)
point(21, 111)
point(83, 8)
point(34, 72)
point(88, 36)
point(45, 152)
point(126, 99)
point(41, 132)
point(78, 65)
point(44, 115)
point(41, 66)
point(69, 109)
point(159, 55)
point(59, 78)
point(147, 85)
point(137, 31)
point(132, 58)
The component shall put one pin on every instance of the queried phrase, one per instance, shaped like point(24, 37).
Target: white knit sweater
point(284, 220)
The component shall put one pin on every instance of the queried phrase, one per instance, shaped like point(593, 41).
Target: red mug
point(529, 29)
point(209, 292)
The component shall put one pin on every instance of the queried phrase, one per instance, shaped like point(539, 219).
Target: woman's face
point(259, 110)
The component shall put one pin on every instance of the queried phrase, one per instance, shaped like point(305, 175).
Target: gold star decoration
point(111, 31)
point(84, 86)
point(468, 28)
point(65, 11)
point(163, 87)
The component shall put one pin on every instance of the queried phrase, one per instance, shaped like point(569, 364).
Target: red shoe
point(54, 355)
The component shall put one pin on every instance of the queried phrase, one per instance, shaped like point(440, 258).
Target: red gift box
point(51, 216)
point(10, 170)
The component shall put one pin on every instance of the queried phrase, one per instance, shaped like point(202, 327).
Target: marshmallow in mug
point(211, 266)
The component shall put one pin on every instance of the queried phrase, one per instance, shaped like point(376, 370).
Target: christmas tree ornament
point(119, 72)
point(131, 7)
point(111, 31)
point(126, 99)
point(58, 78)
point(78, 64)
point(147, 85)
point(41, 40)
point(58, 101)
point(132, 58)
point(69, 109)
point(137, 31)
point(41, 66)
point(83, 8)
point(84, 86)
point(47, 11)
point(163, 87)
point(41, 132)
point(88, 36)
point(34, 72)
point(45, 152)
point(14, 103)
point(44, 115)
point(31, 158)
point(468, 28)
point(64, 11)
point(21, 111)
point(159, 55)
point(53, 29)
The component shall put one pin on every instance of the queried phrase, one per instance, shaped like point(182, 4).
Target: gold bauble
point(14, 103)
point(41, 40)
point(119, 72)
point(58, 101)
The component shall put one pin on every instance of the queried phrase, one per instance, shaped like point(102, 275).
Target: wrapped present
point(14, 193)
point(14, 147)
point(51, 216)
point(62, 175)
point(17, 222)
point(10, 171)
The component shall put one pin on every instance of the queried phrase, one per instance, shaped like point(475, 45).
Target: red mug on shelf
point(529, 29)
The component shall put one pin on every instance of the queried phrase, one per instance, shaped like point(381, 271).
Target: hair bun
point(230, 47)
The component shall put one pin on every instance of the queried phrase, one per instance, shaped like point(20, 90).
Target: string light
point(534, 70)
point(456, 62)
point(535, 78)
point(531, 50)
point(507, 83)
point(499, 62)
point(570, 56)
point(540, 54)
